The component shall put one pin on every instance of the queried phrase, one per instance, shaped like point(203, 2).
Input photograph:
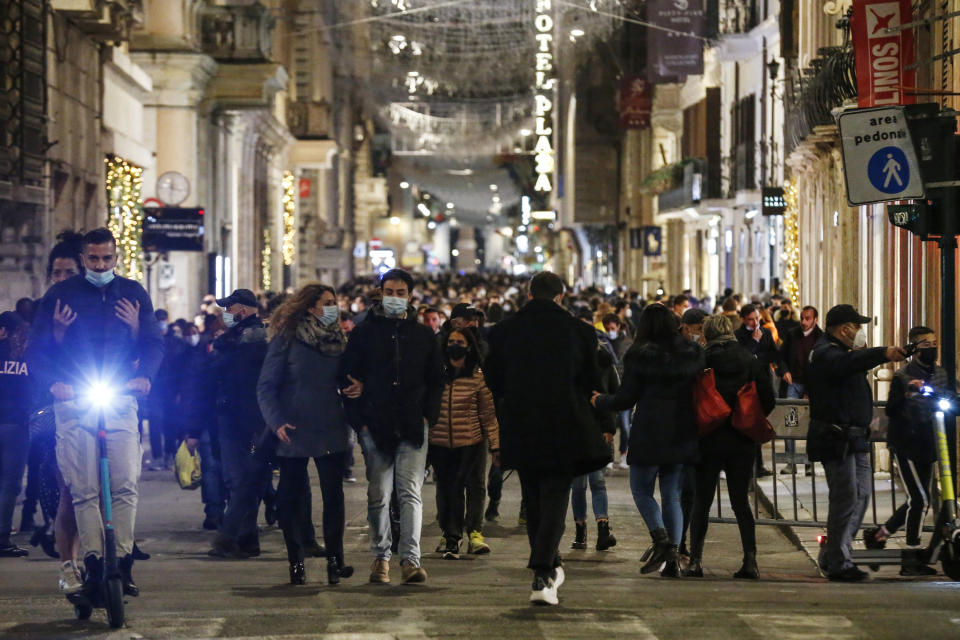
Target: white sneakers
point(545, 589)
point(70, 579)
point(623, 462)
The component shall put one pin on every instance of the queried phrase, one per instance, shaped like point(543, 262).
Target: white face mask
point(193, 340)
point(860, 341)
point(629, 312)
point(613, 334)
point(354, 307)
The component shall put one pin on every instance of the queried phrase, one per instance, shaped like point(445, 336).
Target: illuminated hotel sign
point(543, 104)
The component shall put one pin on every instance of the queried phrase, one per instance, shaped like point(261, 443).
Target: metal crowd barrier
point(790, 420)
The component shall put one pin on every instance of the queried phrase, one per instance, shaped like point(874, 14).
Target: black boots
point(580, 541)
point(298, 573)
point(671, 568)
point(336, 569)
point(605, 539)
point(694, 569)
point(125, 565)
point(749, 570)
point(657, 554)
point(492, 513)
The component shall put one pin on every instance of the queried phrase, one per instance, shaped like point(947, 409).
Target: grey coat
point(298, 386)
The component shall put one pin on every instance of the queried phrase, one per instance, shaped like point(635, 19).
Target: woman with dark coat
point(726, 449)
point(300, 401)
point(659, 371)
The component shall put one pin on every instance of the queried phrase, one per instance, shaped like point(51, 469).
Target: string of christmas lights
point(124, 184)
point(791, 241)
point(289, 248)
point(266, 261)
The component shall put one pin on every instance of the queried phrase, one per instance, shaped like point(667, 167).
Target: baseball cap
point(464, 310)
point(693, 316)
point(239, 296)
point(844, 313)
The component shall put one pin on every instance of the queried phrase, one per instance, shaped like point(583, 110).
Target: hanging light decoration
point(791, 241)
point(124, 182)
point(289, 248)
point(266, 262)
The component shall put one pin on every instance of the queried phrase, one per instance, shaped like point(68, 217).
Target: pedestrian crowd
point(461, 376)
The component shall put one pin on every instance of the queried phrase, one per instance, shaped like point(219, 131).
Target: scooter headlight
point(926, 391)
point(944, 405)
point(100, 394)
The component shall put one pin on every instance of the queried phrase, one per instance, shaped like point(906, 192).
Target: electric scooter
point(110, 592)
point(944, 545)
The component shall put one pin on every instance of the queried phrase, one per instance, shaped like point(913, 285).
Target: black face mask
point(456, 351)
point(928, 356)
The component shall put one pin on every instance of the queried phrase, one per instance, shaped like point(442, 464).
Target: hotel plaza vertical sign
point(543, 98)
point(883, 52)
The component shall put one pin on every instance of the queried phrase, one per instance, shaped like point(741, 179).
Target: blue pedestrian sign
point(889, 170)
point(879, 161)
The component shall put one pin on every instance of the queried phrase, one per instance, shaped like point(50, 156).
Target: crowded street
point(404, 319)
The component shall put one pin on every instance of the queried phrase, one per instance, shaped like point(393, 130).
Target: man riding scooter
point(911, 439)
point(110, 339)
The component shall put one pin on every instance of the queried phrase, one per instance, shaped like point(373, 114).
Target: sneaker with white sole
point(623, 463)
point(70, 578)
point(544, 590)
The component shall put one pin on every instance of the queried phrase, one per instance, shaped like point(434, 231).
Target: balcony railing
point(692, 181)
point(828, 83)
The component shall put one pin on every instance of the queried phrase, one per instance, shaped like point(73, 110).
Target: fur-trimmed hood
point(653, 360)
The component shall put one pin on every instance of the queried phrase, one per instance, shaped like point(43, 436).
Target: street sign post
point(879, 160)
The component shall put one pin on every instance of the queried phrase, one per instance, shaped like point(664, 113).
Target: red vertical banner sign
point(882, 52)
point(635, 103)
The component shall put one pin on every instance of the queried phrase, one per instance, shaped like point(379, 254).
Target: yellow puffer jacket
point(467, 415)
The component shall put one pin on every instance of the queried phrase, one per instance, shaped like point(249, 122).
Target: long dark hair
point(284, 320)
point(473, 355)
point(657, 325)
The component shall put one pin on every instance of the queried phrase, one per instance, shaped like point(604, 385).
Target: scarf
point(329, 341)
point(722, 339)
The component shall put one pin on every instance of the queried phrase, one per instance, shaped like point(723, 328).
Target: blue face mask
point(329, 315)
point(395, 307)
point(98, 279)
point(229, 319)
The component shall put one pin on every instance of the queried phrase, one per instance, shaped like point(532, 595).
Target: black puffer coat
point(659, 381)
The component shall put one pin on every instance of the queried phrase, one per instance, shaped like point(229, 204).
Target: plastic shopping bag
point(187, 468)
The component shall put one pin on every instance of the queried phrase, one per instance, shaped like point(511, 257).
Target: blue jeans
point(598, 495)
point(625, 417)
point(14, 442)
point(402, 471)
point(670, 516)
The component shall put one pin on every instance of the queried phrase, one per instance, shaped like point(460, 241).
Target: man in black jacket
point(541, 370)
point(794, 358)
point(755, 338)
point(107, 347)
point(238, 356)
point(397, 361)
point(841, 409)
point(911, 438)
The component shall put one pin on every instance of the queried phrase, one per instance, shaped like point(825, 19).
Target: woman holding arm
point(301, 403)
point(659, 371)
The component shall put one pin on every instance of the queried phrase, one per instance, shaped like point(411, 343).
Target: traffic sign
point(879, 161)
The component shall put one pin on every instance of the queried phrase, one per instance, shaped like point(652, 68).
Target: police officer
point(841, 408)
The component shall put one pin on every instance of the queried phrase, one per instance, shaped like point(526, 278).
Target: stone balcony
point(102, 20)
point(309, 120)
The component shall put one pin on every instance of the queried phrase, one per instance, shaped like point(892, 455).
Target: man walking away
point(841, 409)
point(541, 370)
point(397, 361)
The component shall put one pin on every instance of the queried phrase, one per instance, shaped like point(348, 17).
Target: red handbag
point(749, 418)
point(711, 409)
